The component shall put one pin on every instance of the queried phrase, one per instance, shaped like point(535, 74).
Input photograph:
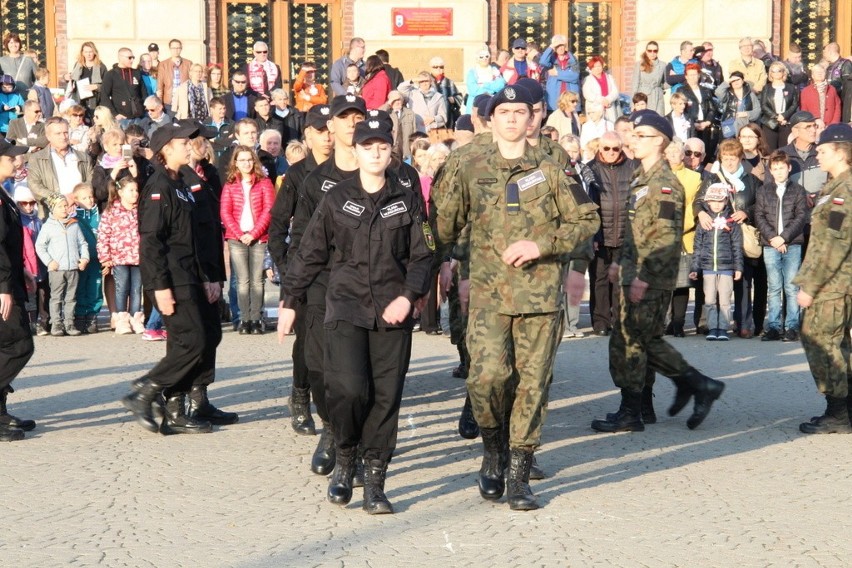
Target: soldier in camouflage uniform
point(647, 271)
point(523, 215)
point(826, 284)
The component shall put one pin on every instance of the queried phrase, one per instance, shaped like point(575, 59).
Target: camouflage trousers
point(825, 338)
point(506, 348)
point(637, 348)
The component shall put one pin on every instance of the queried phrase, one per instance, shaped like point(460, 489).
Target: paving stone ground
point(89, 487)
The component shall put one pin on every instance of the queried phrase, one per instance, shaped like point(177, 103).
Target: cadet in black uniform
point(172, 267)
point(16, 342)
point(321, 144)
point(373, 231)
point(346, 111)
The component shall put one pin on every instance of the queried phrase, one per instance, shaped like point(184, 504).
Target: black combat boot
point(322, 462)
point(648, 414)
point(375, 501)
point(468, 428)
point(683, 392)
point(518, 491)
point(706, 391)
point(491, 484)
point(834, 421)
point(139, 403)
point(9, 421)
point(177, 422)
point(200, 408)
point(340, 485)
point(300, 412)
point(627, 419)
point(358, 480)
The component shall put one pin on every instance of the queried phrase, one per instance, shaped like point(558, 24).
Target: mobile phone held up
point(126, 152)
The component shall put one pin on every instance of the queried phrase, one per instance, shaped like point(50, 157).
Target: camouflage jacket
point(498, 204)
point(827, 269)
point(652, 238)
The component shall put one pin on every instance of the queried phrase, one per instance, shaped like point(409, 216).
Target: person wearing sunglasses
point(263, 75)
point(519, 224)
point(122, 90)
point(453, 100)
point(647, 271)
point(482, 79)
point(649, 77)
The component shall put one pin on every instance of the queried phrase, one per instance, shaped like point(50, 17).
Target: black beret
point(654, 120)
point(533, 86)
point(510, 94)
point(840, 132)
point(464, 123)
point(480, 103)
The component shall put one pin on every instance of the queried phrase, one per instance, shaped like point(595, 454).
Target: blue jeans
point(247, 262)
point(128, 285)
point(155, 320)
point(780, 271)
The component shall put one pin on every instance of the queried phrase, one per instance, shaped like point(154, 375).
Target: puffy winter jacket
point(613, 182)
point(62, 242)
point(718, 248)
point(118, 236)
point(795, 213)
point(261, 195)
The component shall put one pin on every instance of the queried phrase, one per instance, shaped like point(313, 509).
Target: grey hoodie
point(62, 242)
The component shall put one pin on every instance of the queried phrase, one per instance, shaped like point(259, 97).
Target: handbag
point(751, 236)
point(683, 270)
point(728, 128)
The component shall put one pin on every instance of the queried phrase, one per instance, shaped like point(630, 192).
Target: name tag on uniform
point(393, 209)
point(823, 199)
point(486, 181)
point(641, 193)
point(353, 209)
point(531, 180)
point(327, 184)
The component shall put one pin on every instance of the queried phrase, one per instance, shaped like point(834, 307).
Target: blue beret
point(654, 120)
point(464, 123)
point(510, 94)
point(533, 86)
point(840, 132)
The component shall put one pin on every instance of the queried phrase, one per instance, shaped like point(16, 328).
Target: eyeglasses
point(610, 148)
point(652, 50)
point(30, 203)
point(36, 112)
point(238, 82)
point(691, 153)
point(264, 51)
point(437, 67)
point(131, 57)
point(519, 48)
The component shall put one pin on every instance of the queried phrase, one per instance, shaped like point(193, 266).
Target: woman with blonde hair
point(193, 96)
point(565, 119)
point(90, 70)
point(779, 101)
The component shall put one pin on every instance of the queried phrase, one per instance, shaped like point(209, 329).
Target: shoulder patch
point(838, 201)
point(327, 184)
point(353, 208)
point(155, 197)
point(666, 190)
point(835, 220)
point(531, 180)
point(486, 181)
point(667, 210)
point(393, 209)
point(195, 188)
point(642, 192)
point(428, 236)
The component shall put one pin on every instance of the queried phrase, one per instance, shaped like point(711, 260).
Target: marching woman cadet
point(373, 230)
point(826, 284)
point(172, 267)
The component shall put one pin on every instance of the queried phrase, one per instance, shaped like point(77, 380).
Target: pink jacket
point(261, 195)
point(118, 236)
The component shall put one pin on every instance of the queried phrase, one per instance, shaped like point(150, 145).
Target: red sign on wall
point(422, 21)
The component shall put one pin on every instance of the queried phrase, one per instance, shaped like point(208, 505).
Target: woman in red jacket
point(246, 207)
point(820, 99)
point(376, 83)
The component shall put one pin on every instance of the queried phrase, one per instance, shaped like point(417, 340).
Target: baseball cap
point(520, 42)
point(372, 129)
point(153, 47)
point(342, 103)
point(168, 132)
point(840, 132)
point(801, 117)
point(11, 149)
point(716, 192)
point(511, 94)
point(654, 120)
point(317, 117)
point(380, 115)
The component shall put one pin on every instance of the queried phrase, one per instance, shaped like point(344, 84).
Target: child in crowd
point(90, 293)
point(354, 81)
point(295, 152)
point(640, 102)
point(39, 314)
point(118, 249)
point(681, 124)
point(62, 247)
point(11, 103)
point(41, 93)
point(718, 252)
point(780, 214)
